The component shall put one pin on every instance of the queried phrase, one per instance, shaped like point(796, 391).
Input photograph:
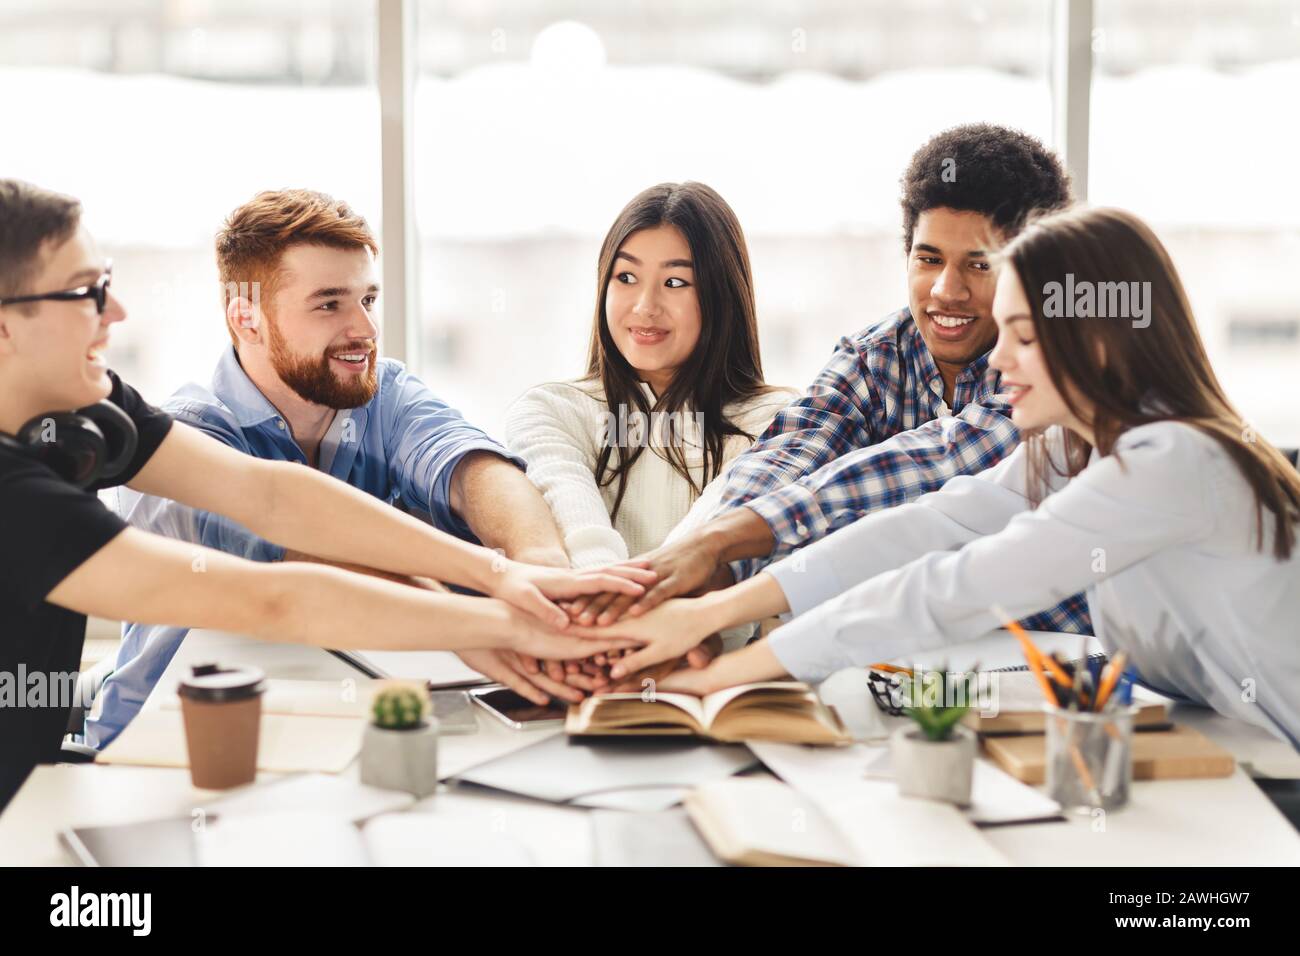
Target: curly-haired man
point(903, 405)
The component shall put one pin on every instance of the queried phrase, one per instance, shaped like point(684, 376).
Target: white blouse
point(1164, 544)
point(559, 430)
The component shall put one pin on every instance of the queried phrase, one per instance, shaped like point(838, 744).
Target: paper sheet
point(156, 738)
point(439, 668)
point(339, 796)
point(428, 839)
point(666, 838)
point(996, 796)
point(280, 839)
point(559, 770)
point(884, 827)
point(350, 697)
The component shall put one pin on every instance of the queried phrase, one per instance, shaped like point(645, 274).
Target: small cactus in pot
point(400, 748)
point(399, 708)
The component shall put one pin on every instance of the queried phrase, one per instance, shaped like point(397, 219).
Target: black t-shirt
point(48, 528)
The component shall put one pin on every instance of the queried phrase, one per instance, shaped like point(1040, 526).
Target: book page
point(883, 827)
point(685, 702)
point(759, 816)
point(713, 704)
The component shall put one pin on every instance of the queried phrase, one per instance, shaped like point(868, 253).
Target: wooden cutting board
point(1178, 754)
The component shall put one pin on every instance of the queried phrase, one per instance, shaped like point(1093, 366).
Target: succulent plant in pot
point(399, 750)
point(399, 708)
point(934, 756)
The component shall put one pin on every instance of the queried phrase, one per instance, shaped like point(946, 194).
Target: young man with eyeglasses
point(64, 555)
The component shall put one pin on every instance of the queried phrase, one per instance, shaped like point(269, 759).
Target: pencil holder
point(1089, 757)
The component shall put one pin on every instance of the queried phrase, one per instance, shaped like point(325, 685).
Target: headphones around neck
point(82, 447)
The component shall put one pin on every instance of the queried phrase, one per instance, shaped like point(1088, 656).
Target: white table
point(1225, 821)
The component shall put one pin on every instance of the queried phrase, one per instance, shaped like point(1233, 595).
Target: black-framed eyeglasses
point(98, 292)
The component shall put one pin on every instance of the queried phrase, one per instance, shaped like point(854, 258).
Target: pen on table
point(1032, 655)
point(1060, 671)
point(1096, 670)
point(891, 669)
point(1109, 679)
point(1036, 657)
point(1125, 688)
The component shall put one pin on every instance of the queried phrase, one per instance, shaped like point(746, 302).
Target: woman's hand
point(533, 588)
point(524, 634)
point(685, 567)
point(696, 681)
point(667, 632)
point(745, 666)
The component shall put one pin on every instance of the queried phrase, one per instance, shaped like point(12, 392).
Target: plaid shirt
point(872, 432)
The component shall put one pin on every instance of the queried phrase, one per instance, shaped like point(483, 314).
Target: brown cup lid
point(212, 684)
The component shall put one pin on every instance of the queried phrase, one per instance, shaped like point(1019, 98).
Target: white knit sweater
point(559, 429)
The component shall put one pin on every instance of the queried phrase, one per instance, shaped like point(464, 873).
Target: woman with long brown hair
point(674, 386)
point(1139, 482)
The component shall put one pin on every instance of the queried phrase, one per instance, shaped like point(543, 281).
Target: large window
point(536, 123)
point(162, 117)
point(1193, 128)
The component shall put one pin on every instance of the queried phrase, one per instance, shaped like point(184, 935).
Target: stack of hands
point(625, 609)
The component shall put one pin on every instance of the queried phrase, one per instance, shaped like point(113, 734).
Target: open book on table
point(786, 711)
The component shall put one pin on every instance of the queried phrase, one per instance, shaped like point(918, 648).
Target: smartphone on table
point(517, 711)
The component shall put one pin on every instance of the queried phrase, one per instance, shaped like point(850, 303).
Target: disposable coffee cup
point(222, 710)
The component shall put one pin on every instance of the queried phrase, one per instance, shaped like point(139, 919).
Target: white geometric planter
point(404, 760)
point(935, 770)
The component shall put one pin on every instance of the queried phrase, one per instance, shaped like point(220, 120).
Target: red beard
point(314, 381)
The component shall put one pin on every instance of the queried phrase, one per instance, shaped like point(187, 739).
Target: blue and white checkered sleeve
point(826, 422)
point(895, 471)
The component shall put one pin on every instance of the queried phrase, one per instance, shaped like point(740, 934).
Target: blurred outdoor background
point(536, 121)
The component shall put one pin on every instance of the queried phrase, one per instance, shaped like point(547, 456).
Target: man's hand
point(697, 658)
point(507, 667)
point(533, 589)
point(514, 630)
point(686, 567)
point(550, 556)
point(592, 674)
point(689, 567)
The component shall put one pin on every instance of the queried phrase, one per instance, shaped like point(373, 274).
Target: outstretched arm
point(739, 542)
point(313, 513)
point(505, 510)
point(142, 577)
point(678, 626)
point(520, 673)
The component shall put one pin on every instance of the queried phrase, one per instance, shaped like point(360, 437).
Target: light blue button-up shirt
point(401, 446)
